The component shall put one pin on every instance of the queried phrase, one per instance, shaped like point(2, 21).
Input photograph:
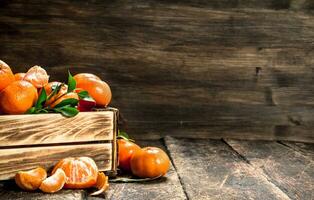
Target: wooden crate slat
point(16, 159)
point(54, 128)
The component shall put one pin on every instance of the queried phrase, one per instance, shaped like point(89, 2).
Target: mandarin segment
point(70, 95)
point(54, 183)
point(81, 172)
point(37, 76)
point(30, 180)
point(18, 97)
point(6, 75)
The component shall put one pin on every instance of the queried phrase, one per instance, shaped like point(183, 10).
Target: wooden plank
point(288, 169)
point(218, 172)
point(16, 159)
point(168, 187)
point(170, 60)
point(307, 149)
point(54, 128)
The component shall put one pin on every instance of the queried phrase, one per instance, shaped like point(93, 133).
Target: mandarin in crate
point(97, 89)
point(19, 76)
point(6, 75)
point(70, 95)
point(18, 97)
point(37, 76)
point(81, 172)
point(150, 162)
point(54, 183)
point(83, 76)
point(30, 180)
point(49, 89)
point(126, 150)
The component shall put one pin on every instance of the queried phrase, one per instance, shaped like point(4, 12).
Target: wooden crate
point(28, 141)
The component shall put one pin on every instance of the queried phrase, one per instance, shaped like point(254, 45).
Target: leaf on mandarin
point(71, 83)
point(67, 102)
point(67, 111)
point(41, 99)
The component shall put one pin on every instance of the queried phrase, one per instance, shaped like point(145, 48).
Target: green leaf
point(41, 99)
point(67, 111)
point(31, 110)
point(67, 102)
point(71, 83)
point(83, 94)
point(132, 180)
point(41, 111)
point(55, 90)
point(123, 135)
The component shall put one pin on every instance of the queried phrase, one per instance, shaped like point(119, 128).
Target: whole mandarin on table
point(126, 150)
point(6, 75)
point(150, 162)
point(18, 97)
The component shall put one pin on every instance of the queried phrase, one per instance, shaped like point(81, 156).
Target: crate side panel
point(17, 159)
point(54, 128)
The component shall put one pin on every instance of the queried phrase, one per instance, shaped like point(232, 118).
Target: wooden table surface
point(212, 169)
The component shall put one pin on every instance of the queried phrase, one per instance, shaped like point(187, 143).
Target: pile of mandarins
point(23, 92)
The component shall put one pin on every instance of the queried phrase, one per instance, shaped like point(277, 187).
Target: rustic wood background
point(193, 68)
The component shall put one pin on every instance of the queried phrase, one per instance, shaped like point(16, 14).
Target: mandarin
point(6, 75)
point(19, 76)
point(18, 97)
point(49, 89)
point(30, 180)
point(54, 183)
point(83, 76)
point(97, 89)
point(81, 172)
point(37, 76)
point(126, 150)
point(70, 95)
point(150, 162)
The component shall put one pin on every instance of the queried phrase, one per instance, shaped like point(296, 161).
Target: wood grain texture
point(210, 169)
point(221, 67)
point(54, 128)
point(17, 159)
point(288, 169)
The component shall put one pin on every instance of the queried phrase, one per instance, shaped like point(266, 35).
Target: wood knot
point(257, 70)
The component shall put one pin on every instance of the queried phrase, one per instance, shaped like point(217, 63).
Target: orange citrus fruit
point(6, 75)
point(97, 89)
point(70, 95)
point(150, 162)
point(126, 150)
point(83, 76)
point(18, 97)
point(37, 76)
point(81, 172)
point(30, 180)
point(49, 89)
point(19, 76)
point(54, 183)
